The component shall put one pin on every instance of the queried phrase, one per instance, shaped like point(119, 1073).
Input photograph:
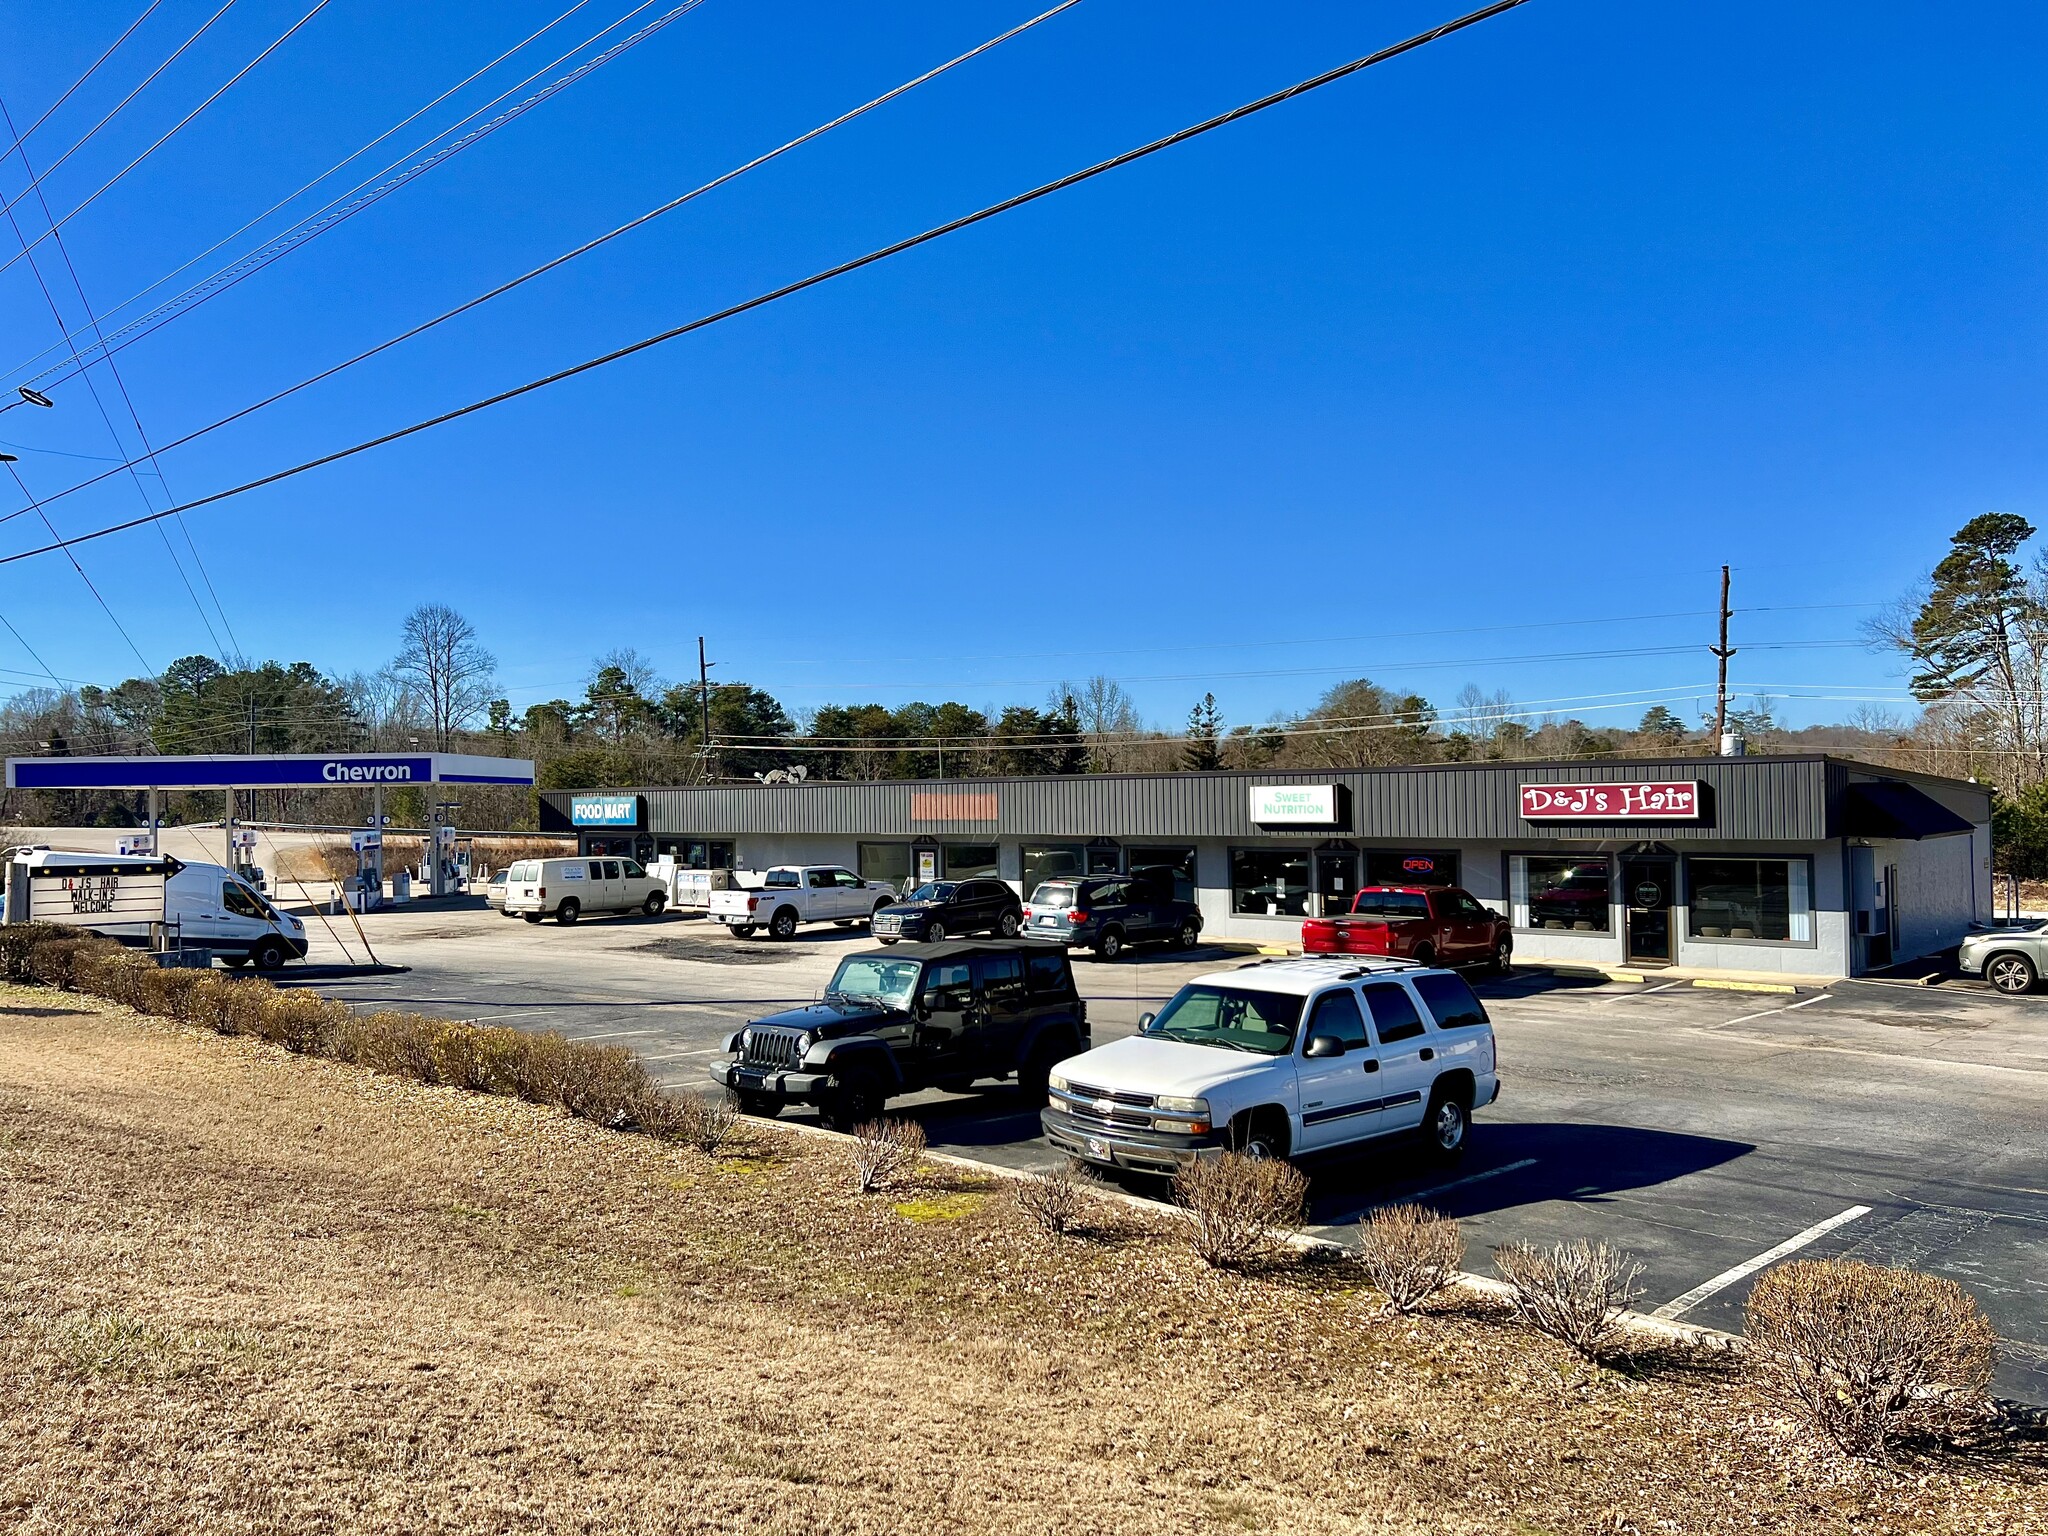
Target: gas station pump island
point(372, 771)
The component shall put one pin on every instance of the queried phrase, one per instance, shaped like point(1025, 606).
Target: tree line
point(1975, 635)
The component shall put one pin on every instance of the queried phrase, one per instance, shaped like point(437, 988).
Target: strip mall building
point(1807, 865)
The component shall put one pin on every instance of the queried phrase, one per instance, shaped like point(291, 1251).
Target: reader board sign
point(1300, 805)
point(604, 811)
point(96, 896)
point(1679, 801)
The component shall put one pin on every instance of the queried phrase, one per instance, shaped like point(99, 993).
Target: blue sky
point(1414, 379)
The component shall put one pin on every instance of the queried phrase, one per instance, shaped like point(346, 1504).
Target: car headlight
point(746, 1039)
point(1057, 1083)
point(1196, 1107)
point(804, 1042)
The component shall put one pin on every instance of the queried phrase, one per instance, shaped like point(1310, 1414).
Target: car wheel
point(1037, 1068)
point(531, 917)
point(1189, 935)
point(1446, 1124)
point(1259, 1134)
point(268, 956)
point(858, 1099)
point(1009, 925)
point(783, 924)
point(935, 932)
point(567, 913)
point(1504, 957)
point(1111, 945)
point(741, 930)
point(234, 962)
point(885, 941)
point(1425, 954)
point(765, 1105)
point(655, 902)
point(2012, 974)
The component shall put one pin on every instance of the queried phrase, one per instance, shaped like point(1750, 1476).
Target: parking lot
point(1706, 1131)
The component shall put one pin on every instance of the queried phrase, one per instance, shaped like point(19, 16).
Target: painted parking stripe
point(1802, 1003)
point(1470, 1178)
point(1678, 1306)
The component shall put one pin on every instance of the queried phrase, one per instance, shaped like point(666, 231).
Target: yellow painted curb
point(1624, 975)
point(1275, 949)
point(1745, 986)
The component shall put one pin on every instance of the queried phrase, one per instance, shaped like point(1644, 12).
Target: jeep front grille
point(770, 1048)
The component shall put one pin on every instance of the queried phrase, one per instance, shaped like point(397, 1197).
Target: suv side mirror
point(1145, 1021)
point(931, 1002)
point(1322, 1047)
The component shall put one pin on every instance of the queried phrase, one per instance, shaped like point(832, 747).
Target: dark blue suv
point(1108, 913)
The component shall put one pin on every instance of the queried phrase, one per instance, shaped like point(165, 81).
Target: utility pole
point(704, 706)
point(1722, 652)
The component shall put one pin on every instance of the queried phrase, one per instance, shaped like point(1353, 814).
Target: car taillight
point(753, 903)
point(1077, 917)
point(1025, 914)
point(541, 894)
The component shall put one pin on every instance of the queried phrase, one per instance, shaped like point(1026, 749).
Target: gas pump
point(365, 892)
point(444, 878)
point(244, 846)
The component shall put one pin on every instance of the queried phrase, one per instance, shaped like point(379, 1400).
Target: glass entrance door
point(1647, 884)
point(1336, 879)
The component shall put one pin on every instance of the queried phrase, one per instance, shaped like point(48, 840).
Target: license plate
point(1048, 922)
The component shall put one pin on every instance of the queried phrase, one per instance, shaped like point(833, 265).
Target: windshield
point(1234, 1019)
point(872, 979)
point(1391, 904)
point(779, 878)
point(1056, 897)
point(933, 890)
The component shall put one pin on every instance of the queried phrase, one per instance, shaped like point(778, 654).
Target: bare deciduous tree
point(445, 666)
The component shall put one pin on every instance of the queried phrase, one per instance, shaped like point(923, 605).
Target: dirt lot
point(243, 1291)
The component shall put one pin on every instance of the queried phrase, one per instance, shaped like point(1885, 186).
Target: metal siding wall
point(1754, 800)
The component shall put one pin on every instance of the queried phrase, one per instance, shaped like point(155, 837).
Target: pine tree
point(1203, 752)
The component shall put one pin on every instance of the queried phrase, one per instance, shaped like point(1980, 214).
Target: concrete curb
point(1641, 1323)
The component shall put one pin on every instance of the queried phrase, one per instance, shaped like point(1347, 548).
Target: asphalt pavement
point(1708, 1132)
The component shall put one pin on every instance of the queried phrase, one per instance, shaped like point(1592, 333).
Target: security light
point(35, 396)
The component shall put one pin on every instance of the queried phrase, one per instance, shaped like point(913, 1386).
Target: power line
point(91, 69)
point(95, 591)
point(348, 204)
point(57, 315)
point(176, 54)
point(357, 154)
point(773, 295)
point(591, 245)
point(318, 7)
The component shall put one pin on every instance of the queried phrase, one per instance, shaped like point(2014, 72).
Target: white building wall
point(1938, 893)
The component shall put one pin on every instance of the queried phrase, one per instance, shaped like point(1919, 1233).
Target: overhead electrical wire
point(86, 137)
point(165, 137)
point(291, 197)
point(57, 315)
point(348, 204)
point(746, 306)
point(95, 591)
point(90, 70)
point(592, 244)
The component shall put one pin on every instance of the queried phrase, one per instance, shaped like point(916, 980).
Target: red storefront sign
point(1611, 802)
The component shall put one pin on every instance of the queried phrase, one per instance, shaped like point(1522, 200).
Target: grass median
point(248, 1290)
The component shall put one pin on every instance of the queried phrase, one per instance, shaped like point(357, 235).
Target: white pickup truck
point(780, 898)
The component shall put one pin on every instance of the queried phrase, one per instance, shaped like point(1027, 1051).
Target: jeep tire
point(858, 1099)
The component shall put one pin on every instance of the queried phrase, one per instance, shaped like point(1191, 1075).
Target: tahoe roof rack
point(1340, 967)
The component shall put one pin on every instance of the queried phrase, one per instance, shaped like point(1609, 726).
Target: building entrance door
point(1647, 883)
point(1337, 879)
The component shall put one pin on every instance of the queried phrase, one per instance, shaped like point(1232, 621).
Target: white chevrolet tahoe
point(1282, 1057)
point(779, 899)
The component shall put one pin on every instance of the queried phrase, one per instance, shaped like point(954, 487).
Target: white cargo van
point(126, 896)
point(565, 889)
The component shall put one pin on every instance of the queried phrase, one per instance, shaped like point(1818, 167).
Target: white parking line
point(1470, 1178)
point(517, 1013)
point(1805, 1002)
point(1679, 1305)
point(716, 1050)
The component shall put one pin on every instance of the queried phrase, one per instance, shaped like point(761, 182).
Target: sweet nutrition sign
point(1611, 802)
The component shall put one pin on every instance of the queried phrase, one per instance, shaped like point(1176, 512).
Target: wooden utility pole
point(704, 706)
point(1722, 652)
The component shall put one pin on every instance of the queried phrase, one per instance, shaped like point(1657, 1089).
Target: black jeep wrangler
point(914, 1017)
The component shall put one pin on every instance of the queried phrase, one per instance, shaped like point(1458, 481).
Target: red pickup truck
point(1434, 925)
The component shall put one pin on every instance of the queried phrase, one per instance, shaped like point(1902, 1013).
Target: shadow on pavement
point(1514, 1165)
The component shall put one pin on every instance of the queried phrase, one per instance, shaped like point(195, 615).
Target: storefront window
point(884, 861)
point(1396, 866)
point(1269, 882)
point(1052, 861)
point(1105, 859)
point(695, 852)
point(1560, 891)
point(967, 859)
point(1176, 863)
point(1759, 899)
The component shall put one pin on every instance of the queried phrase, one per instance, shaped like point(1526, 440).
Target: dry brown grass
point(245, 1291)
